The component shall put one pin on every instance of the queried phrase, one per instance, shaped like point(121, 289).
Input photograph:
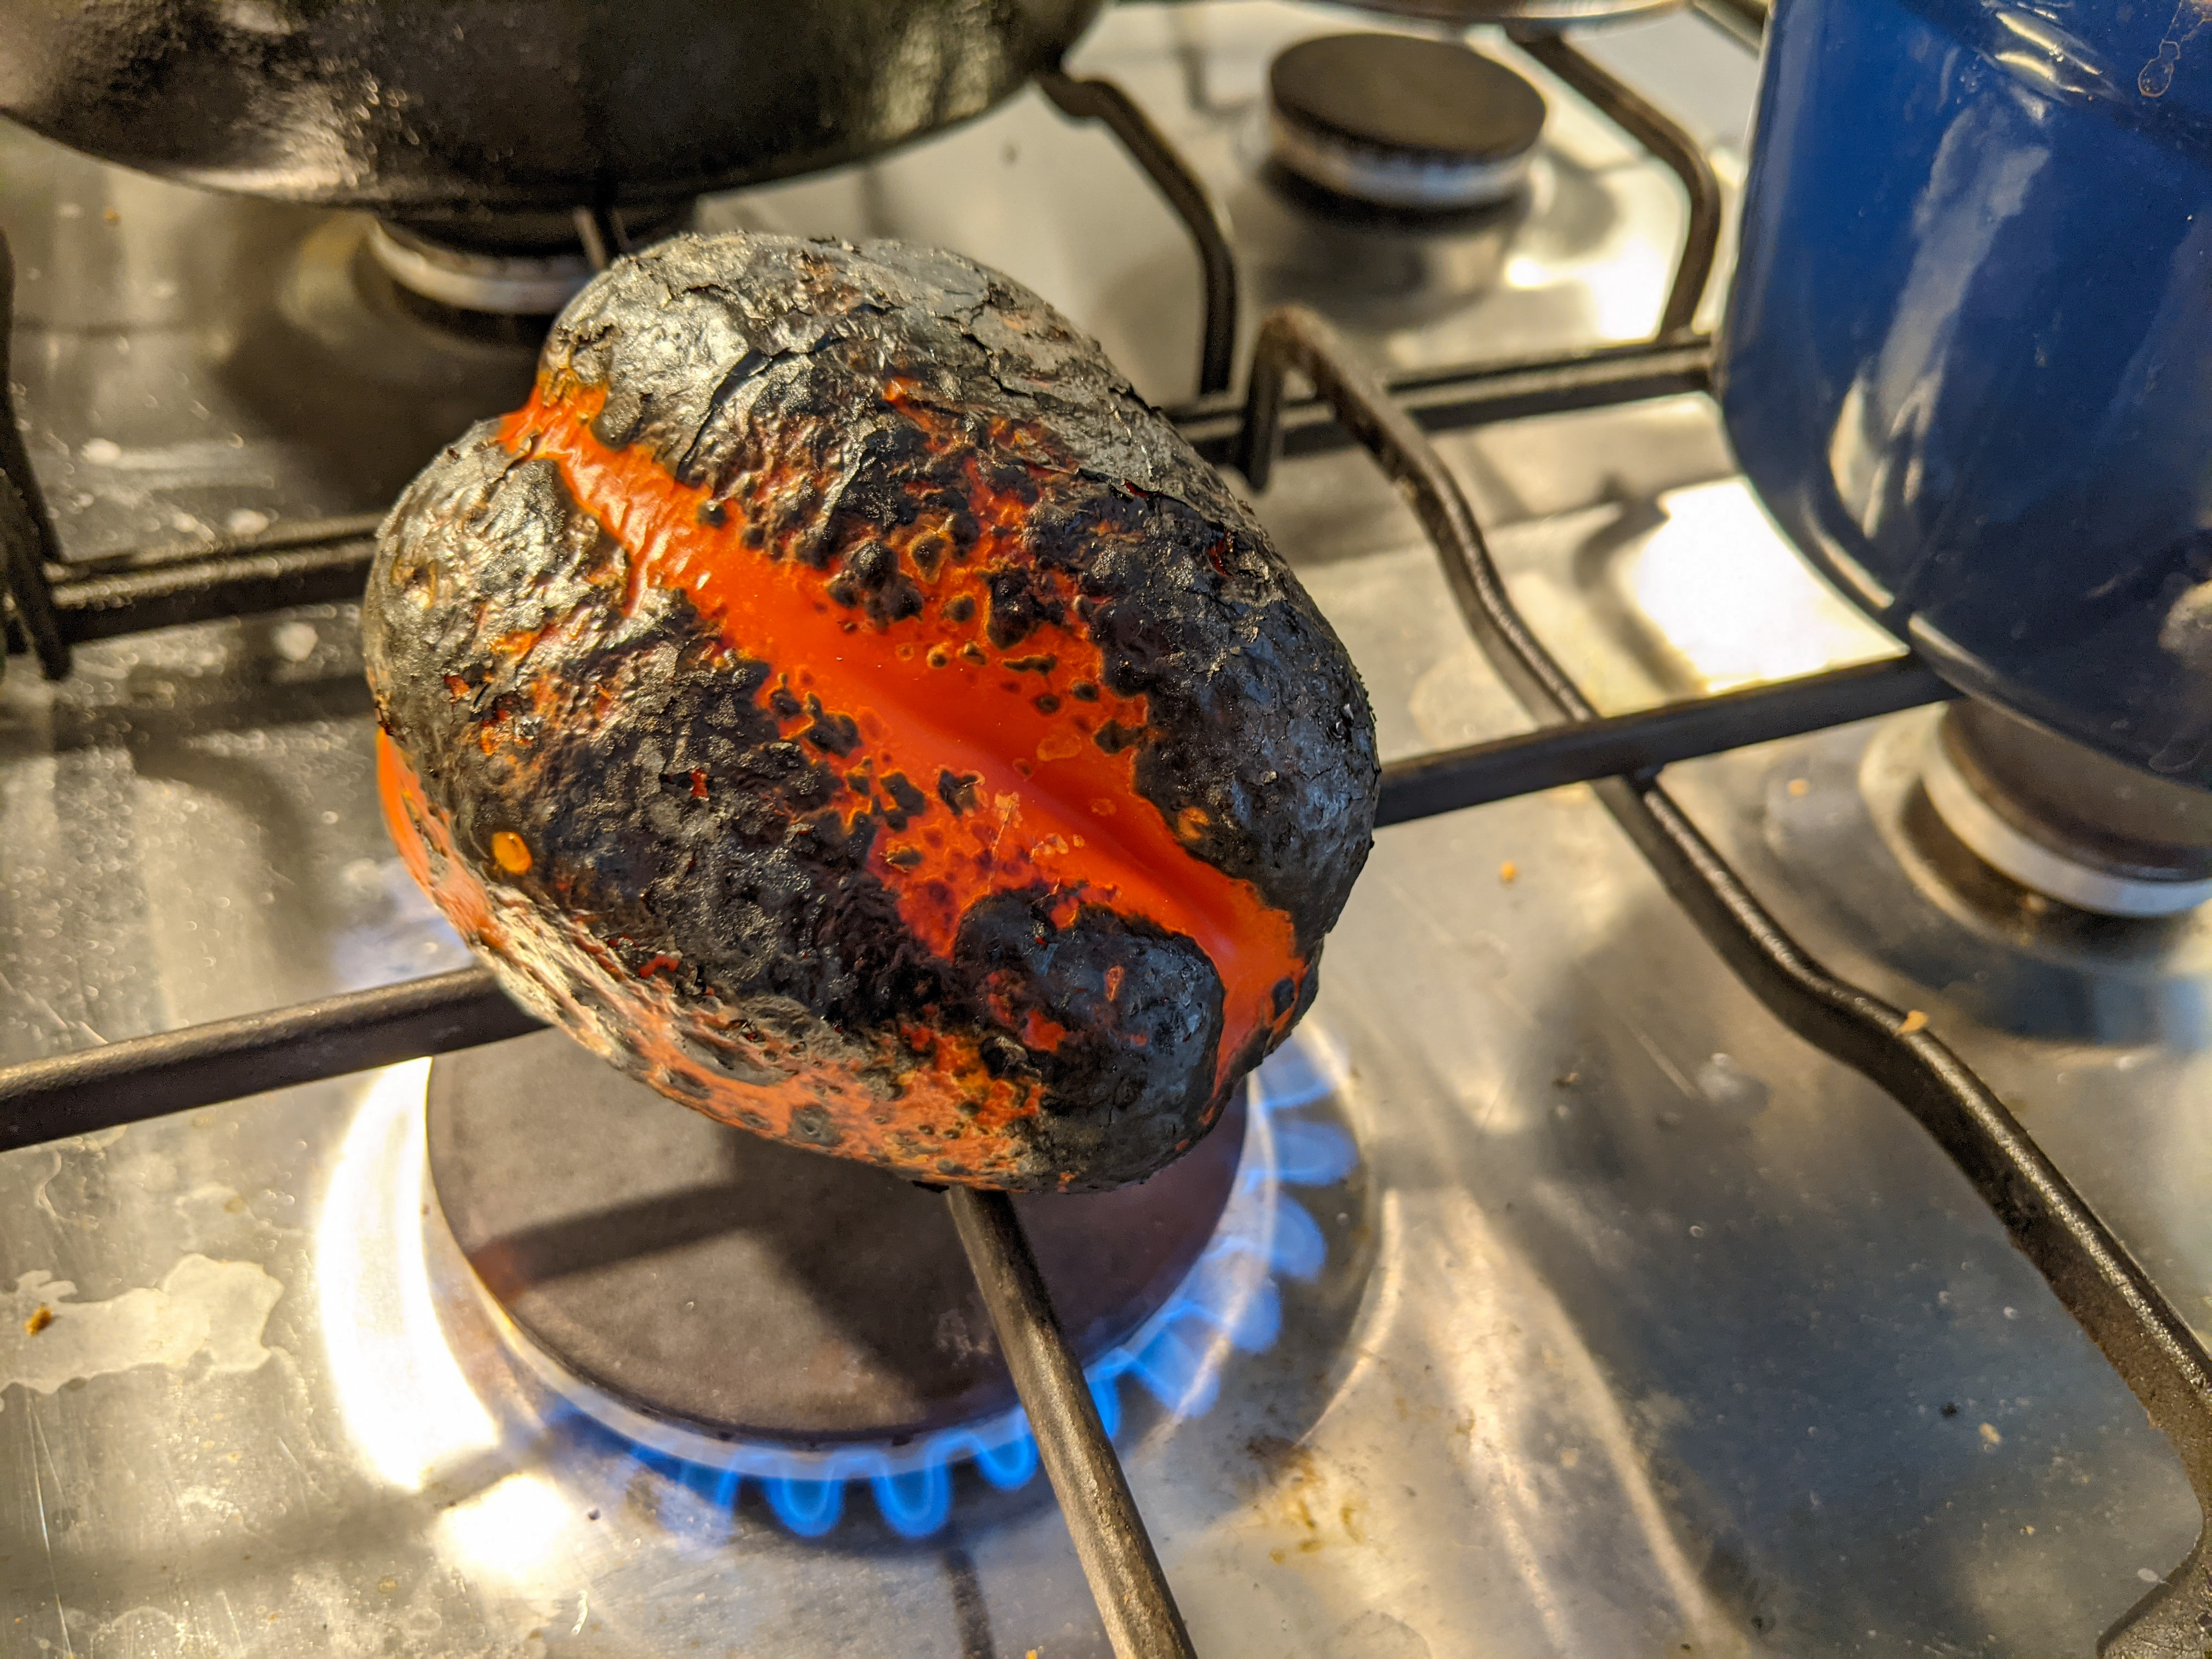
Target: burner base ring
point(2038, 868)
point(2066, 822)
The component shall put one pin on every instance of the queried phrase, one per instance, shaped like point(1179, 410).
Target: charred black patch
point(957, 789)
point(871, 564)
point(834, 734)
point(1002, 1055)
point(1114, 737)
point(1020, 604)
point(909, 800)
point(827, 836)
point(1140, 1009)
point(895, 601)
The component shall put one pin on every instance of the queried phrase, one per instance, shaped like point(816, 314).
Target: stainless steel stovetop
point(1615, 1319)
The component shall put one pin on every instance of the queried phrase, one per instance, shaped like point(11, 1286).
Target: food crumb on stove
point(591, 1515)
point(1914, 1020)
point(1801, 787)
point(39, 1320)
point(1989, 1435)
point(1509, 872)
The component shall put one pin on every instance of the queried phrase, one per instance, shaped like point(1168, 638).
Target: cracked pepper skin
point(839, 701)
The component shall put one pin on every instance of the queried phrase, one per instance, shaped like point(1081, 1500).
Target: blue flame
point(1229, 1301)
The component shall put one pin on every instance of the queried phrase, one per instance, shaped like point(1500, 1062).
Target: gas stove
point(1549, 1294)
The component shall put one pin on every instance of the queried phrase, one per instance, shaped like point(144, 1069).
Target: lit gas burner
point(736, 1310)
point(1396, 121)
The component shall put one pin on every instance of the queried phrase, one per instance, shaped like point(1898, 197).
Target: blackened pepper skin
point(837, 699)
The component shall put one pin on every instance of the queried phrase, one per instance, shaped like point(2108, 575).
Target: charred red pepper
point(840, 700)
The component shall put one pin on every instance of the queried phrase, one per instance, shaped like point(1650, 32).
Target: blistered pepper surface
point(841, 701)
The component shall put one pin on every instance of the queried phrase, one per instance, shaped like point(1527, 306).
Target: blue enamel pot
point(1967, 359)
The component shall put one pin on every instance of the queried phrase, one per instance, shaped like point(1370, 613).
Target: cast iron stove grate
point(52, 606)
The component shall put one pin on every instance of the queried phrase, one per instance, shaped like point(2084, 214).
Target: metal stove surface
point(1641, 1328)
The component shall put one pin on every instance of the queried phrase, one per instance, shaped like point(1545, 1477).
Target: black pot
point(435, 109)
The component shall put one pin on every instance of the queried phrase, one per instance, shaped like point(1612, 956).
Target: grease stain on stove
point(201, 1307)
point(1306, 1498)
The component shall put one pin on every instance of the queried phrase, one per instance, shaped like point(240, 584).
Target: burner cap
point(1402, 122)
point(511, 264)
point(707, 1278)
point(498, 284)
point(2066, 822)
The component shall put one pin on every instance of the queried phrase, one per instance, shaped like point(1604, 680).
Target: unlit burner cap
point(1402, 122)
point(2065, 822)
point(500, 284)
